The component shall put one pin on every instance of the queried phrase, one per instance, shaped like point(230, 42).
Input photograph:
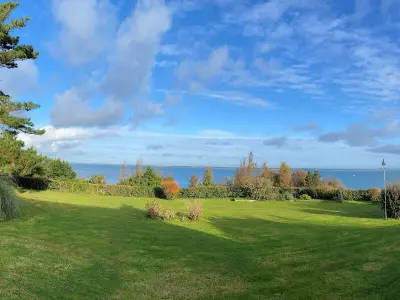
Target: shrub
point(158, 211)
point(98, 179)
point(339, 195)
point(170, 189)
point(304, 197)
point(148, 178)
point(374, 194)
point(33, 183)
point(286, 196)
point(195, 210)
point(8, 200)
point(78, 186)
point(393, 201)
point(58, 169)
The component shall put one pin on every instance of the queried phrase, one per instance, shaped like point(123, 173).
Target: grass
point(90, 247)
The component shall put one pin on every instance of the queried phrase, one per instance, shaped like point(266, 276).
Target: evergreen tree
point(309, 179)
point(10, 53)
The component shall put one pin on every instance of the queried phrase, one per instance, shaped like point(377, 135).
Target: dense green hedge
point(76, 186)
point(205, 192)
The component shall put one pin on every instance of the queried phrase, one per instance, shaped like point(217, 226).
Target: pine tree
point(10, 53)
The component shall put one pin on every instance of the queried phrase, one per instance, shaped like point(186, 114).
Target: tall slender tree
point(11, 52)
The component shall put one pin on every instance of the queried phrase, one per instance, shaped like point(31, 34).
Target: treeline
point(16, 161)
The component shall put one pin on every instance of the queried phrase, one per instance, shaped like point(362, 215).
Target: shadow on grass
point(62, 251)
point(345, 210)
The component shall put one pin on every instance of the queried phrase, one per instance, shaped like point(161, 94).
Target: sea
point(353, 179)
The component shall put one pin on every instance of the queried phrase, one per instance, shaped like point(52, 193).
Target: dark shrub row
point(204, 192)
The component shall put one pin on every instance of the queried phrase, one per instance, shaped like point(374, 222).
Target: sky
point(314, 83)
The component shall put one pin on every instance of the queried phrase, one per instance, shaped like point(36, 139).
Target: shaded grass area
point(90, 247)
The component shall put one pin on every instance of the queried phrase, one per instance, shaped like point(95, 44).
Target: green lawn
point(91, 247)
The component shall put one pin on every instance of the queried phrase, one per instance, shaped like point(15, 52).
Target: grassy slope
point(82, 247)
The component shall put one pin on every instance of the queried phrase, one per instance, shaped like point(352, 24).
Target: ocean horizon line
point(234, 167)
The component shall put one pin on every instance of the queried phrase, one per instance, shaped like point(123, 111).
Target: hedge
point(205, 192)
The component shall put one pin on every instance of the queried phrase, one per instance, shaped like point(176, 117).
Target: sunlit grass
point(91, 247)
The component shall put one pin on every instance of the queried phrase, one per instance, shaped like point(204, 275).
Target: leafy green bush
point(392, 201)
point(148, 178)
point(98, 179)
point(285, 196)
point(60, 170)
point(304, 197)
point(8, 200)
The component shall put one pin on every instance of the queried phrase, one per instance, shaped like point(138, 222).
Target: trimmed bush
point(170, 189)
point(204, 192)
point(8, 200)
point(285, 196)
point(77, 186)
point(304, 197)
point(195, 210)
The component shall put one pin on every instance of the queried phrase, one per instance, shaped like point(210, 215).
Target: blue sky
point(203, 82)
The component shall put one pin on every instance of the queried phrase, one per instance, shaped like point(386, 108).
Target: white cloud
point(56, 139)
point(72, 108)
point(130, 64)
point(201, 71)
point(23, 79)
point(86, 29)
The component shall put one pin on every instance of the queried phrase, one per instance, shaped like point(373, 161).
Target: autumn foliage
point(170, 188)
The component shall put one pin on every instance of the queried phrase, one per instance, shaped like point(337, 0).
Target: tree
point(251, 165)
point(316, 178)
point(15, 160)
point(124, 173)
point(10, 53)
point(309, 179)
point(208, 176)
point(193, 182)
point(313, 179)
point(285, 175)
point(265, 172)
point(59, 169)
point(299, 178)
point(138, 171)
